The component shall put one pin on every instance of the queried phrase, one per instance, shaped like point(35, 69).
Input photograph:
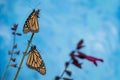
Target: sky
point(62, 24)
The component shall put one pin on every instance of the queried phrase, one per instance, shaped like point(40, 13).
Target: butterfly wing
point(26, 28)
point(31, 24)
point(41, 69)
point(35, 61)
point(34, 26)
point(29, 62)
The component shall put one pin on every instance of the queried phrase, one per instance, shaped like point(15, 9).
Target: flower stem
point(24, 54)
point(14, 38)
point(65, 69)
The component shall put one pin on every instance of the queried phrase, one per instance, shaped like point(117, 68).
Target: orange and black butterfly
point(35, 61)
point(31, 24)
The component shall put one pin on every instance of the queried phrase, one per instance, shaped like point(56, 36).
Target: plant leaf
point(14, 27)
point(17, 52)
point(72, 54)
point(15, 46)
point(19, 34)
point(76, 63)
point(13, 59)
point(57, 78)
point(67, 64)
point(13, 33)
point(14, 65)
point(9, 52)
point(64, 78)
point(69, 73)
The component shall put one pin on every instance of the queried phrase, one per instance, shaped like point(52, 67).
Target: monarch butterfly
point(35, 61)
point(31, 24)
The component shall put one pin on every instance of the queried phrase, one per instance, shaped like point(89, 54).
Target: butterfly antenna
point(29, 6)
point(31, 44)
point(36, 46)
point(38, 4)
point(38, 49)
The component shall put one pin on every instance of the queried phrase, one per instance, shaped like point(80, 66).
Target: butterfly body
point(35, 61)
point(31, 24)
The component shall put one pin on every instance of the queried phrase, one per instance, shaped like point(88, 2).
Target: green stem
point(24, 54)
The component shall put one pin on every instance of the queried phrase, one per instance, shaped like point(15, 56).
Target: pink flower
point(94, 60)
point(90, 58)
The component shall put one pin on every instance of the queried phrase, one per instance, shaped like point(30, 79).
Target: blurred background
point(62, 24)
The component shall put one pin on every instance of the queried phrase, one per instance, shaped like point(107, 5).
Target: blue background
point(62, 24)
